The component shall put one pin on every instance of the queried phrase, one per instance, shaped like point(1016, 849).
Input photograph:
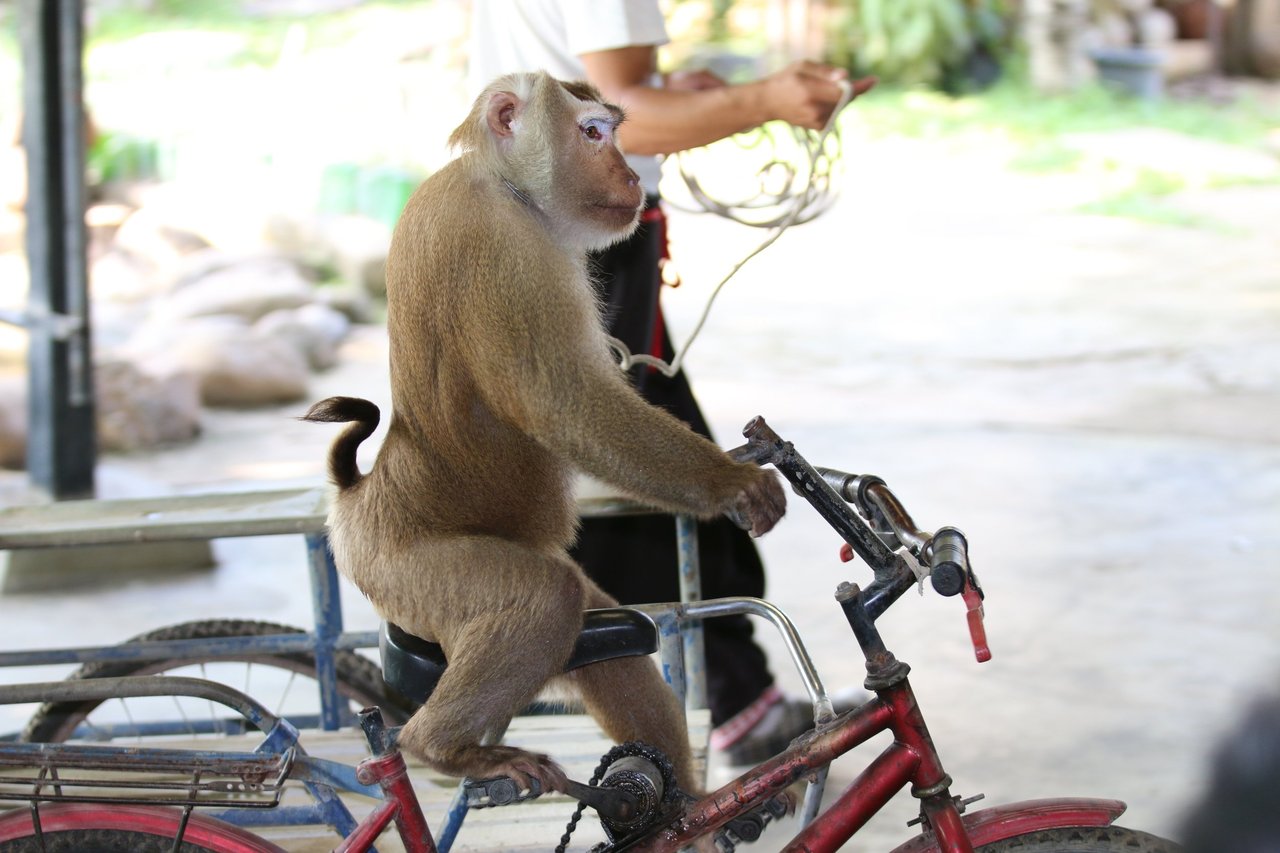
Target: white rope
point(802, 207)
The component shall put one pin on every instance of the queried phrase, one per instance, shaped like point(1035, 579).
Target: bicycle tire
point(1083, 839)
point(123, 828)
point(359, 679)
point(98, 841)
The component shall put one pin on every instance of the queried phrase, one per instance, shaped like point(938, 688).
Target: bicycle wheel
point(1088, 839)
point(284, 682)
point(92, 828)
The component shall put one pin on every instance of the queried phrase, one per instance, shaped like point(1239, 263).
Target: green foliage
point(132, 17)
point(1143, 199)
point(719, 25)
point(1034, 121)
point(912, 42)
point(122, 157)
point(262, 36)
point(1035, 134)
point(1045, 158)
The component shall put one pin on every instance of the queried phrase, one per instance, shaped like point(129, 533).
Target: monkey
point(503, 387)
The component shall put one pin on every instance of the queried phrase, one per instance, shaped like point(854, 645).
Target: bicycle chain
point(671, 795)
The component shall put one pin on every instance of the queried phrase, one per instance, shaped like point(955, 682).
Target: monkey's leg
point(630, 701)
point(507, 618)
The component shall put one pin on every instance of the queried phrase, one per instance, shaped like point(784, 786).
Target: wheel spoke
point(182, 714)
point(212, 706)
point(124, 706)
point(284, 695)
point(271, 675)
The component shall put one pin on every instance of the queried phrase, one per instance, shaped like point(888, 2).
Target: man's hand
point(805, 93)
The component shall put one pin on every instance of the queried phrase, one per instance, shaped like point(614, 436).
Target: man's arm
point(663, 121)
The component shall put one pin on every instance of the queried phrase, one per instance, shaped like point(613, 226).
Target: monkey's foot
point(526, 768)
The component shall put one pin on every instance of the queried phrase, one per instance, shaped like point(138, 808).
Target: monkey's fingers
point(764, 502)
point(540, 767)
point(738, 517)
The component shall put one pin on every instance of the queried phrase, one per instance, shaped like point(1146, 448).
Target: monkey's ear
point(502, 113)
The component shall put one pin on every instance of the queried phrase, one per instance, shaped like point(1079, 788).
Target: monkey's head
point(554, 146)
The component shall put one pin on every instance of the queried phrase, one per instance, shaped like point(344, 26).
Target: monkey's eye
point(596, 130)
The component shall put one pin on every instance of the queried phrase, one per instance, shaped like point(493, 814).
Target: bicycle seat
point(413, 665)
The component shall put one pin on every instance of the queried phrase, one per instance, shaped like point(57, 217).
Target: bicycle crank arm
point(615, 804)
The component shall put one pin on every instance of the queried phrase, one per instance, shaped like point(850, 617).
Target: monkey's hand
point(758, 507)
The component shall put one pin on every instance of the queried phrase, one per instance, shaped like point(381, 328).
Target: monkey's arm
point(592, 418)
point(546, 369)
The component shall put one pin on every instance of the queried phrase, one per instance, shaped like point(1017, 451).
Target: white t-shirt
point(551, 35)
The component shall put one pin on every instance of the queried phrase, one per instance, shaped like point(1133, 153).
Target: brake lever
point(972, 595)
point(977, 628)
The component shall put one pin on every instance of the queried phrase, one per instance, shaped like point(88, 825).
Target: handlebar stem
point(883, 669)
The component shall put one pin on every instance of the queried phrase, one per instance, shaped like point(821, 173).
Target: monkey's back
point(454, 461)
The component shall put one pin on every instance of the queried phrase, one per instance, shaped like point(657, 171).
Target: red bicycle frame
point(910, 759)
point(387, 770)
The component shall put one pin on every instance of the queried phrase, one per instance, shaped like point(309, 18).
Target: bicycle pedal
point(498, 791)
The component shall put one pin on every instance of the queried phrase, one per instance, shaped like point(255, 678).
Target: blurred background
point(270, 145)
point(1044, 306)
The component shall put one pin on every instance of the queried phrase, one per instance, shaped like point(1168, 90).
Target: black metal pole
point(61, 441)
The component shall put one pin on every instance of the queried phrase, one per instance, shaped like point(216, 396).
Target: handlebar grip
point(949, 561)
point(756, 452)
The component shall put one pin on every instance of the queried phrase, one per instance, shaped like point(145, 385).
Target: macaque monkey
point(502, 385)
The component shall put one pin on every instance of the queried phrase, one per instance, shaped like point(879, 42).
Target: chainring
point(665, 810)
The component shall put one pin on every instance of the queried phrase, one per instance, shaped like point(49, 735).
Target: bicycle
point(633, 790)
point(314, 676)
point(290, 676)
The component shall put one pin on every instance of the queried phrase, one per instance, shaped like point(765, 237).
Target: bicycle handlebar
point(871, 495)
point(879, 527)
point(765, 447)
point(874, 524)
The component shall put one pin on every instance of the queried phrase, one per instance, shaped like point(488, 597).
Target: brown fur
point(502, 384)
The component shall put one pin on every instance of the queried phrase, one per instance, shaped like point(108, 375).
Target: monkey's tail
point(363, 417)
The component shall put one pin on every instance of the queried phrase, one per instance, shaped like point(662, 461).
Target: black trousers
point(634, 559)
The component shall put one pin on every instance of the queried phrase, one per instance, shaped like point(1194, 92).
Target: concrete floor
point(1094, 401)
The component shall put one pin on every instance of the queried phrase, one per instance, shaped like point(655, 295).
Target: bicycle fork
point(911, 758)
point(386, 769)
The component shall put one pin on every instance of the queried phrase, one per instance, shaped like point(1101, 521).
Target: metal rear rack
point(83, 773)
point(70, 773)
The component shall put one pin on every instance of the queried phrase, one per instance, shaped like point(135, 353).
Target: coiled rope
point(822, 149)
